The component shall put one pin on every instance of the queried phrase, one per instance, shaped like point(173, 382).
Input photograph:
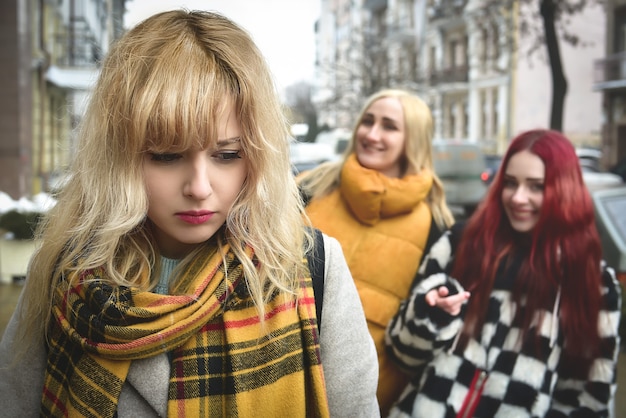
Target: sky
point(282, 29)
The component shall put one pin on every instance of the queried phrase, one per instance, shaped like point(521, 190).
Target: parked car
point(460, 165)
point(601, 179)
point(589, 159)
point(610, 208)
point(307, 155)
point(338, 139)
point(619, 169)
point(608, 192)
point(492, 162)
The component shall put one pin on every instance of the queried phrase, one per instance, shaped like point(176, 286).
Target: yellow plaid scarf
point(222, 362)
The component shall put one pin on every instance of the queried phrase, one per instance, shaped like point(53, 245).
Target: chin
point(523, 227)
point(371, 162)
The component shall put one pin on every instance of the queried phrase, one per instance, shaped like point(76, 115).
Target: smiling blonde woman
point(386, 206)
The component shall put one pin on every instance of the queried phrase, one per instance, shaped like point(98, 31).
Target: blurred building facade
point(610, 80)
point(469, 62)
point(50, 52)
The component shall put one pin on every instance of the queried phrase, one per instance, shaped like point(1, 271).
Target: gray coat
point(347, 351)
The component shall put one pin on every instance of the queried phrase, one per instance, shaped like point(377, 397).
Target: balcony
point(610, 73)
point(449, 75)
point(72, 78)
point(375, 5)
point(435, 12)
point(447, 9)
point(403, 35)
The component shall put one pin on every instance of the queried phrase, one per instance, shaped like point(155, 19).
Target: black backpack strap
point(316, 261)
point(434, 233)
point(306, 198)
point(456, 231)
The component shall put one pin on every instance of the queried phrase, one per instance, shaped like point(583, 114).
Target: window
point(484, 108)
point(495, 39)
point(452, 124)
point(484, 49)
point(494, 113)
point(432, 56)
point(452, 47)
point(620, 29)
point(464, 105)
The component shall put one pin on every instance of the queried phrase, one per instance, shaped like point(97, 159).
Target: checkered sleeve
point(418, 332)
point(593, 396)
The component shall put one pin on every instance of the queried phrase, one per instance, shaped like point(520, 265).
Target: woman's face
point(190, 193)
point(522, 195)
point(380, 137)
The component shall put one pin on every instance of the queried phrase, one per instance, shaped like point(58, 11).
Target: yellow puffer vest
point(382, 224)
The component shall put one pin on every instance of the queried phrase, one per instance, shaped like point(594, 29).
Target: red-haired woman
point(515, 314)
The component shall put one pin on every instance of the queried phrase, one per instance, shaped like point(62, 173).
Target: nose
point(197, 182)
point(520, 195)
point(373, 133)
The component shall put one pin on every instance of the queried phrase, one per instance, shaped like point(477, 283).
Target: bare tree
point(362, 66)
point(365, 65)
point(543, 24)
point(357, 71)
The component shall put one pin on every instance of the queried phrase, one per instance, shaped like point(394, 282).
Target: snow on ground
point(39, 203)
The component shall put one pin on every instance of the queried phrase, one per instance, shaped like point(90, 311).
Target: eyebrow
point(385, 119)
point(226, 141)
point(526, 178)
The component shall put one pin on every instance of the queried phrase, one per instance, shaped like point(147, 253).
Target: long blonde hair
point(163, 85)
point(418, 124)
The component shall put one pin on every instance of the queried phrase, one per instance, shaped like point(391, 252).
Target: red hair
point(561, 252)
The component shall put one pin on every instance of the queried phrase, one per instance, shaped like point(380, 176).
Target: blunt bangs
point(184, 111)
point(180, 94)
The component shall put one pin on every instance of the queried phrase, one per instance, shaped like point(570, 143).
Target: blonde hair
point(162, 87)
point(418, 124)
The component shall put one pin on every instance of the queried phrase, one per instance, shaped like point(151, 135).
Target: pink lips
point(522, 214)
point(195, 217)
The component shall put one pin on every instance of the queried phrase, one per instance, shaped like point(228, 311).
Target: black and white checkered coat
point(519, 384)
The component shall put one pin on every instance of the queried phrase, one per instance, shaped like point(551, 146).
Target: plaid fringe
point(223, 361)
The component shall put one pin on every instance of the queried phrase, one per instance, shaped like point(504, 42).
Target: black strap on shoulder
point(434, 233)
point(306, 198)
point(456, 231)
point(316, 260)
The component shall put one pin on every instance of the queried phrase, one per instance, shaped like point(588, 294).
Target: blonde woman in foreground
point(172, 277)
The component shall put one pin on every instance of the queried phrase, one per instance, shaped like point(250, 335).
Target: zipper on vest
point(473, 395)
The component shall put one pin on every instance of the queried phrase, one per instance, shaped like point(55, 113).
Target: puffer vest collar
point(372, 196)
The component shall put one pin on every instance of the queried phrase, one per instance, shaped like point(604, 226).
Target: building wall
point(495, 101)
point(15, 100)
point(509, 92)
point(373, 44)
point(613, 96)
point(39, 107)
